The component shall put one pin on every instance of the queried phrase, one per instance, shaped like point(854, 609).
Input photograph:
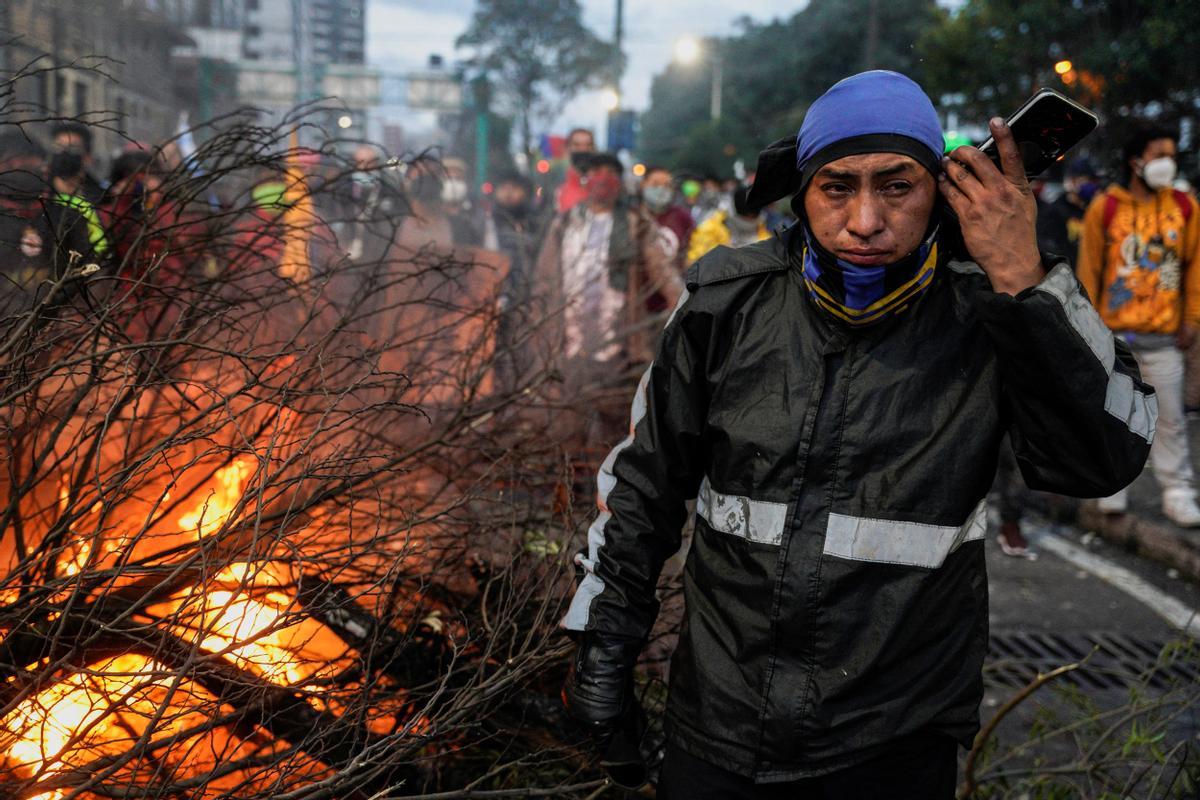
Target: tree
point(1128, 59)
point(539, 54)
point(772, 72)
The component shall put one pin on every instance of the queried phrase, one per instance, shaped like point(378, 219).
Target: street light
point(687, 51)
point(611, 99)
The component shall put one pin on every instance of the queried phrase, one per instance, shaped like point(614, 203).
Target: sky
point(401, 34)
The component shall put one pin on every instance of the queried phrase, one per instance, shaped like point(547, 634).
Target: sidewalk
point(1143, 530)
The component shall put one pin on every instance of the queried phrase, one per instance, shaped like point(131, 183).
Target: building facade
point(135, 68)
point(106, 62)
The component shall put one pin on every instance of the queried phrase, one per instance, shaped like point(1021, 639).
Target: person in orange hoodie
point(1139, 260)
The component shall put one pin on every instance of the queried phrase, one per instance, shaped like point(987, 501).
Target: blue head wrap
point(872, 112)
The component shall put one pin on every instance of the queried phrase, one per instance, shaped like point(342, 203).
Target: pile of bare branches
point(1054, 740)
point(270, 526)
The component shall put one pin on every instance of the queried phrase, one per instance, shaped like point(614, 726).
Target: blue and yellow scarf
point(864, 295)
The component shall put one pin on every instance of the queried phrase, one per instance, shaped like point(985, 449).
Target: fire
point(244, 614)
point(254, 634)
point(77, 552)
point(77, 708)
point(218, 506)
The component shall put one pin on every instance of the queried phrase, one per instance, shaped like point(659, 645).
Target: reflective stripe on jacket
point(84, 207)
point(836, 590)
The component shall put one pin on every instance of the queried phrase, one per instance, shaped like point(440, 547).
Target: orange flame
point(244, 617)
point(76, 552)
point(219, 504)
point(79, 706)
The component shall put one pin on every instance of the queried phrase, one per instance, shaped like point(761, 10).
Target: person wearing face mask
point(369, 200)
point(514, 228)
point(1139, 259)
point(599, 264)
point(1060, 222)
point(36, 241)
point(581, 144)
point(834, 398)
point(710, 199)
point(658, 196)
point(465, 223)
point(737, 229)
point(427, 223)
point(76, 138)
point(68, 180)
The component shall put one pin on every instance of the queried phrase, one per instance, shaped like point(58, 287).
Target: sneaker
point(1181, 508)
point(1114, 504)
point(1013, 542)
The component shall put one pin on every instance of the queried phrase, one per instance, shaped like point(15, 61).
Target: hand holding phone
point(996, 211)
point(1045, 128)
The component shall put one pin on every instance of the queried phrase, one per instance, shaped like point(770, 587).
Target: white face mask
point(1158, 173)
point(454, 191)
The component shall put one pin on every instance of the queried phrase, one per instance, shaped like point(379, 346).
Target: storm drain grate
point(1016, 657)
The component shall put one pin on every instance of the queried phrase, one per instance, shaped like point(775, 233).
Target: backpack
point(1110, 207)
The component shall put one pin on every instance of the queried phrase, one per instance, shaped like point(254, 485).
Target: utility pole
point(301, 54)
point(482, 99)
point(871, 43)
point(718, 78)
point(618, 33)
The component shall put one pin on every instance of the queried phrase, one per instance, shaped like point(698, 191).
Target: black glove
point(598, 695)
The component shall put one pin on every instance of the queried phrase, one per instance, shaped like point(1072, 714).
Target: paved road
point(1082, 593)
point(1053, 594)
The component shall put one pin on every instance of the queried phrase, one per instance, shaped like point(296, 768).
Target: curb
point(1162, 543)
point(1165, 544)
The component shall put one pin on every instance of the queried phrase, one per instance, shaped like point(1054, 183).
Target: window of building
point(252, 5)
point(43, 90)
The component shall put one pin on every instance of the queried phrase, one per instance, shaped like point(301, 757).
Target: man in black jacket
point(834, 399)
point(513, 228)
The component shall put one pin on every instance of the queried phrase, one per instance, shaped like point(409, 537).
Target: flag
point(553, 147)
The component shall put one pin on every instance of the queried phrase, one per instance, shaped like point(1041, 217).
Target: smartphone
point(1045, 128)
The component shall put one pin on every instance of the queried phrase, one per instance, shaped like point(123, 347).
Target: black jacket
point(836, 588)
point(1059, 225)
point(36, 241)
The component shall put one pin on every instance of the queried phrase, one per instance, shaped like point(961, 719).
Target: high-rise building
point(275, 55)
point(304, 51)
point(321, 31)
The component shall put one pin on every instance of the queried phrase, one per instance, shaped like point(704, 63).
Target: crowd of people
point(602, 253)
point(1133, 239)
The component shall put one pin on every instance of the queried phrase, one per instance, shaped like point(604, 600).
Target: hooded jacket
point(1139, 261)
point(714, 231)
point(836, 589)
